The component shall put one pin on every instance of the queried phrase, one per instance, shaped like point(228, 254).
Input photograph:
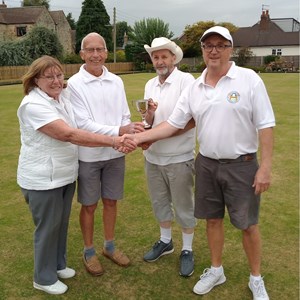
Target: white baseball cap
point(224, 32)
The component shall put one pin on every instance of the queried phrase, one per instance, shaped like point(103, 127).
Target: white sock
point(165, 235)
point(253, 278)
point(217, 270)
point(187, 241)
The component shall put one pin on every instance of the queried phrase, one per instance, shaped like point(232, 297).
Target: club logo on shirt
point(233, 97)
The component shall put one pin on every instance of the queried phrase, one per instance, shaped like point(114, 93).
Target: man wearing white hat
point(233, 112)
point(169, 164)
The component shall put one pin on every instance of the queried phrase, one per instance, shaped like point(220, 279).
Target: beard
point(162, 72)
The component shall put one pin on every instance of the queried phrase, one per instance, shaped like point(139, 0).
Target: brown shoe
point(117, 257)
point(93, 265)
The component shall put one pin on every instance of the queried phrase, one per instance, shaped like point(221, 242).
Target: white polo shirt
point(228, 115)
point(175, 149)
point(100, 106)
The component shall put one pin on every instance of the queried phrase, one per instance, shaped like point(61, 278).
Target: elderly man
point(232, 111)
point(169, 164)
point(100, 106)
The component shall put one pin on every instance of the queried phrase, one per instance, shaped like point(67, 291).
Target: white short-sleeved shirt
point(100, 106)
point(228, 115)
point(175, 149)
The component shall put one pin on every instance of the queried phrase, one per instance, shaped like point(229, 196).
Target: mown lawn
point(136, 227)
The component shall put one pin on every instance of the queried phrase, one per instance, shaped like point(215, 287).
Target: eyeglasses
point(51, 78)
point(92, 50)
point(219, 48)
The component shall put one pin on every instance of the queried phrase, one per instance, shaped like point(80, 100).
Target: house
point(18, 21)
point(279, 37)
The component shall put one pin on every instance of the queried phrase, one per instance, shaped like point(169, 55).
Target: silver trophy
point(142, 107)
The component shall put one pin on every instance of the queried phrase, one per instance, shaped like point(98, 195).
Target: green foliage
point(242, 56)
point(42, 41)
point(184, 68)
point(72, 59)
point(270, 58)
point(71, 21)
point(39, 41)
point(122, 28)
point(144, 32)
point(93, 18)
point(36, 3)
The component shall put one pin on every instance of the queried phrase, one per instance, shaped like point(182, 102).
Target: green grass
point(137, 230)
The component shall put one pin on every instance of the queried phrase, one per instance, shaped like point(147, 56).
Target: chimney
point(264, 20)
point(3, 5)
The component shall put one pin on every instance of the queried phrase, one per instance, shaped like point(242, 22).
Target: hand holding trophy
point(142, 107)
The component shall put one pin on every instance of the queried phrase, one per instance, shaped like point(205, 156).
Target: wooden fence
point(15, 73)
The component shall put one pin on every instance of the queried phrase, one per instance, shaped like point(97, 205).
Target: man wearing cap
point(169, 164)
point(233, 112)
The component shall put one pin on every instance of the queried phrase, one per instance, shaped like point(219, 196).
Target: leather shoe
point(93, 265)
point(66, 273)
point(55, 289)
point(117, 257)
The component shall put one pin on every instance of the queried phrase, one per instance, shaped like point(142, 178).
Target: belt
point(242, 158)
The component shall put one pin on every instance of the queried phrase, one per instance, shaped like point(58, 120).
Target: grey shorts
point(219, 185)
point(171, 190)
point(101, 179)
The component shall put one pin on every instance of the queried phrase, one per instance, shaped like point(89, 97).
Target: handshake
point(128, 140)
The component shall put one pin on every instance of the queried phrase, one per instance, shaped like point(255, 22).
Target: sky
point(180, 13)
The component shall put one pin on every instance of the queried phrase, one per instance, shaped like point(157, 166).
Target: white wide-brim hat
point(162, 43)
point(224, 32)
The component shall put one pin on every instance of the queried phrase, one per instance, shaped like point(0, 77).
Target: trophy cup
point(142, 106)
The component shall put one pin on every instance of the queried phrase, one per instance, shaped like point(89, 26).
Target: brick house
point(17, 21)
point(278, 37)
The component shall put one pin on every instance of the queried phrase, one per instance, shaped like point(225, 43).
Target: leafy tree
point(39, 41)
point(192, 34)
point(36, 3)
point(42, 41)
point(71, 21)
point(144, 32)
point(242, 56)
point(122, 28)
point(93, 18)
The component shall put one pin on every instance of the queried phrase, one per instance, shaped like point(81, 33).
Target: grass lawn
point(137, 230)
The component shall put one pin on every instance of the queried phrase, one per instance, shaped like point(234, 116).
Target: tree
point(122, 28)
point(192, 34)
point(39, 41)
point(36, 3)
point(93, 18)
point(144, 32)
point(71, 21)
point(242, 56)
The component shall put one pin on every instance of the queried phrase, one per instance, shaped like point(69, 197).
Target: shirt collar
point(88, 77)
point(231, 73)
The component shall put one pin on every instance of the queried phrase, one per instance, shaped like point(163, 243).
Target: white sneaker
point(66, 273)
point(258, 289)
point(55, 289)
point(208, 280)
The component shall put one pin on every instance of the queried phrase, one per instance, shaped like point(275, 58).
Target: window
point(277, 52)
point(21, 30)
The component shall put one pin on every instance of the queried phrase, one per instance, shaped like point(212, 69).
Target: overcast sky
point(179, 13)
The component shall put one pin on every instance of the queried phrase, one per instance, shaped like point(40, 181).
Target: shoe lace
point(259, 288)
point(207, 275)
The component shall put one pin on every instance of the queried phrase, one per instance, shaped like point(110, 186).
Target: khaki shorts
point(219, 185)
point(171, 190)
point(101, 179)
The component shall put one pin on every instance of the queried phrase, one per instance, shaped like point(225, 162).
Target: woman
point(48, 165)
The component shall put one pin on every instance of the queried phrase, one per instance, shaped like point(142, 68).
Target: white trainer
point(57, 288)
point(66, 273)
point(208, 280)
point(258, 289)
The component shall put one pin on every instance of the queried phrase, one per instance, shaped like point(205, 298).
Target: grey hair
point(93, 34)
